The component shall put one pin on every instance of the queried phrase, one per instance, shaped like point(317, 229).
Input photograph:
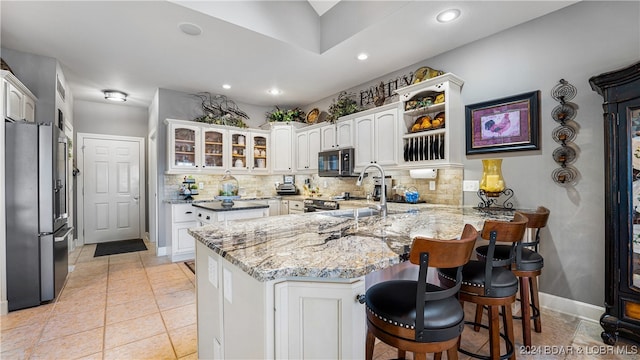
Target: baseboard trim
point(575, 308)
point(162, 251)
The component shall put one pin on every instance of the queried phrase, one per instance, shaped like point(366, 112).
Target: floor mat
point(119, 247)
point(191, 265)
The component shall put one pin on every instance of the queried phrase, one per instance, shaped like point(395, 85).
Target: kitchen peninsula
point(287, 286)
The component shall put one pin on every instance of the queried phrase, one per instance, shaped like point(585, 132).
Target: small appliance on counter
point(377, 187)
point(288, 186)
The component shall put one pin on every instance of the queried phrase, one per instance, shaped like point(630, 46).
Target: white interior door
point(112, 187)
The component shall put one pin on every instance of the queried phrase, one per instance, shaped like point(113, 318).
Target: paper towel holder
point(428, 173)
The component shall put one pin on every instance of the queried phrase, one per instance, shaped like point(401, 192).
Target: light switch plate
point(201, 185)
point(212, 266)
point(227, 286)
point(470, 185)
point(432, 185)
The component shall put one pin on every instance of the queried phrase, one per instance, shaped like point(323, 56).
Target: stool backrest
point(537, 220)
point(445, 253)
point(505, 231)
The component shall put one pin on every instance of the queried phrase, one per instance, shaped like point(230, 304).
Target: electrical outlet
point(470, 185)
point(201, 185)
point(432, 185)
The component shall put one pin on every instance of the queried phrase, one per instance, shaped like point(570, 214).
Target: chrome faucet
point(383, 196)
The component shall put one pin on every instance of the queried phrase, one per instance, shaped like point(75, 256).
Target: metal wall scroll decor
point(565, 134)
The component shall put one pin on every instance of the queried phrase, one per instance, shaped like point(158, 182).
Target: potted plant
point(279, 115)
point(345, 105)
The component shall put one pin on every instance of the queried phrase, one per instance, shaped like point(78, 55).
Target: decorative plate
point(312, 116)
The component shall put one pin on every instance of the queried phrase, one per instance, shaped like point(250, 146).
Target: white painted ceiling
point(305, 48)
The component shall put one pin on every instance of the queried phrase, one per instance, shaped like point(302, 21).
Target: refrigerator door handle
point(63, 237)
point(42, 234)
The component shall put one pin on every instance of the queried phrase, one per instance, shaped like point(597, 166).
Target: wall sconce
point(114, 95)
point(492, 186)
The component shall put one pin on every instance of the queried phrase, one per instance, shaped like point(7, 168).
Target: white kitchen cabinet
point(180, 218)
point(240, 151)
point(259, 156)
point(184, 142)
point(274, 207)
point(19, 102)
point(376, 137)
point(194, 147)
point(206, 216)
point(338, 135)
point(289, 319)
point(315, 319)
point(307, 146)
point(432, 146)
point(282, 148)
point(296, 206)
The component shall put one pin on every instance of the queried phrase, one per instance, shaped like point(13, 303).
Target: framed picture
point(507, 124)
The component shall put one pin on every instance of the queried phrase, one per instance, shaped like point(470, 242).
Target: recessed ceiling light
point(114, 95)
point(448, 15)
point(274, 91)
point(190, 29)
point(363, 56)
point(226, 86)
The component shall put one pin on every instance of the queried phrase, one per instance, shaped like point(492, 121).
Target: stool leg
point(525, 309)
point(452, 353)
point(478, 319)
point(494, 332)
point(536, 303)
point(438, 356)
point(402, 354)
point(420, 356)
point(508, 329)
point(370, 342)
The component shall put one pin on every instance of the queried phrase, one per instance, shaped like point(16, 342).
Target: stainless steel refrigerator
point(36, 213)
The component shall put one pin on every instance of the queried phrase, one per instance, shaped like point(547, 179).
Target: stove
point(314, 205)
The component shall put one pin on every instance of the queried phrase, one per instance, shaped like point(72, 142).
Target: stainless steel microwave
point(338, 162)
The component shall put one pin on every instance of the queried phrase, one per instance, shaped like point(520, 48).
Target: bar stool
point(419, 316)
point(527, 265)
point(492, 285)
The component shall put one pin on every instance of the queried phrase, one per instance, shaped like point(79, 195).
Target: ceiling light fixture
point(275, 91)
point(190, 29)
point(448, 15)
point(114, 95)
point(363, 56)
point(226, 86)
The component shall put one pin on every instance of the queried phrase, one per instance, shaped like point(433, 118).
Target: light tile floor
point(126, 306)
point(141, 306)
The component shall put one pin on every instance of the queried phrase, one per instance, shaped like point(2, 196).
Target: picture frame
point(507, 124)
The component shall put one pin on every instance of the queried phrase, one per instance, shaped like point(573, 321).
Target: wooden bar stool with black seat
point(419, 316)
point(491, 284)
point(527, 265)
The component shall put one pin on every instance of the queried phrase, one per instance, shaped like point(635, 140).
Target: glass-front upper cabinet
point(214, 155)
point(239, 152)
point(183, 148)
point(260, 152)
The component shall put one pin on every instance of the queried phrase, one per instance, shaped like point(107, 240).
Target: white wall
point(109, 119)
point(574, 43)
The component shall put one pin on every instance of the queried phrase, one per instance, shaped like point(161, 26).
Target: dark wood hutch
point(621, 92)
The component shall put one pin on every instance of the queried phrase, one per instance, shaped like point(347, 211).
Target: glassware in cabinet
point(214, 149)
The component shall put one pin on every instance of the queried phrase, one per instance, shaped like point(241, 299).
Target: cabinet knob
point(208, 217)
point(189, 212)
point(360, 298)
point(199, 215)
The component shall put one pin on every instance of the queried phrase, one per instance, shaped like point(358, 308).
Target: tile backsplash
point(448, 185)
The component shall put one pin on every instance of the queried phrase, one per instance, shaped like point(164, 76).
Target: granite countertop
point(197, 201)
point(237, 205)
point(324, 246)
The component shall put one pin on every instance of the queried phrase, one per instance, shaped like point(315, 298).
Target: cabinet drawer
point(183, 212)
